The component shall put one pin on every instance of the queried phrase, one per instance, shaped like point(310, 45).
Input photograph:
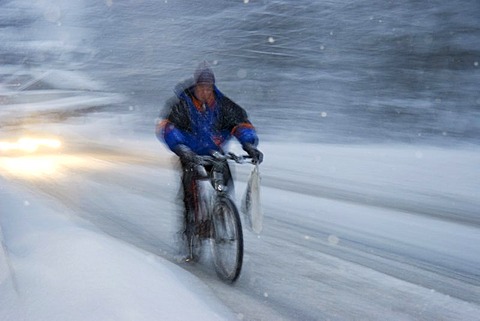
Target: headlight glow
point(29, 145)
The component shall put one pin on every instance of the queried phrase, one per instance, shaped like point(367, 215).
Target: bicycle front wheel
point(227, 240)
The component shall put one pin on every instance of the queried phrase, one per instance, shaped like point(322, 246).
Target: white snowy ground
point(350, 233)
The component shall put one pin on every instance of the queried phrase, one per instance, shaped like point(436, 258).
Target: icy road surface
point(350, 233)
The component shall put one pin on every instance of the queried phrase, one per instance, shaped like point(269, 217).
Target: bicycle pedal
point(191, 259)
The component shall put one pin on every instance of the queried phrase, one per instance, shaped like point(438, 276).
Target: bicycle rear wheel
point(227, 240)
point(193, 243)
point(197, 226)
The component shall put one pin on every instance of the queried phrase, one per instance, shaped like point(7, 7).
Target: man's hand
point(254, 153)
point(187, 156)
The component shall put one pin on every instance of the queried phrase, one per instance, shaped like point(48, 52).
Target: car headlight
point(29, 145)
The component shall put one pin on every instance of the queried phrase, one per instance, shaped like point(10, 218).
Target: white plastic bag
point(251, 205)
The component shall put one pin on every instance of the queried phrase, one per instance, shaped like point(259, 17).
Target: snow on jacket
point(206, 130)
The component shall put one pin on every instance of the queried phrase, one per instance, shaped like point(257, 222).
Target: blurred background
point(365, 71)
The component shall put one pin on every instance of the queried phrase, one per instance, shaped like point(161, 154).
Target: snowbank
point(62, 268)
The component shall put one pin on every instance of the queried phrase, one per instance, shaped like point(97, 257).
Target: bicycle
point(215, 217)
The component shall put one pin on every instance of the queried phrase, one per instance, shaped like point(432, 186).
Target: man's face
point(204, 92)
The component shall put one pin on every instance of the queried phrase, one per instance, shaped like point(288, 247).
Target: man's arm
point(243, 130)
point(172, 128)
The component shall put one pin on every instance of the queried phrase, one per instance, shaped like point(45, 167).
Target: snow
point(359, 231)
point(61, 262)
point(56, 266)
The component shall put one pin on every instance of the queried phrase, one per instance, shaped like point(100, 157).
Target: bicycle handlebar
point(217, 156)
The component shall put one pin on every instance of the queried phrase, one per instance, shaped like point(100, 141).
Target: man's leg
point(188, 196)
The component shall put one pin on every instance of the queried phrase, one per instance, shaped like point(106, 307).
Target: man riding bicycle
point(200, 120)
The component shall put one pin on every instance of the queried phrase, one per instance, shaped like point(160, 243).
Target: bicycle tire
point(193, 243)
point(227, 240)
point(194, 235)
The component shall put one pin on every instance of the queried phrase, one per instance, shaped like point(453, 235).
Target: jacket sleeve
point(239, 124)
point(245, 133)
point(172, 128)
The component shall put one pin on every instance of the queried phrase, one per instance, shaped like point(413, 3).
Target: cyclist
point(200, 120)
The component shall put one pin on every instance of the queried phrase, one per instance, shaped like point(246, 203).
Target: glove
point(254, 153)
point(187, 156)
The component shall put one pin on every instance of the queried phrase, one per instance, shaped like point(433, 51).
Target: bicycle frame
point(217, 166)
point(216, 216)
point(216, 175)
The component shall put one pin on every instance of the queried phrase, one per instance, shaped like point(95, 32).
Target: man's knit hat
point(204, 74)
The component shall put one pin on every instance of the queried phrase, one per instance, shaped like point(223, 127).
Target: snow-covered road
point(373, 230)
point(350, 233)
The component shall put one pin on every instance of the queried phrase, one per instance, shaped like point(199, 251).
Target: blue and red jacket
point(204, 131)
